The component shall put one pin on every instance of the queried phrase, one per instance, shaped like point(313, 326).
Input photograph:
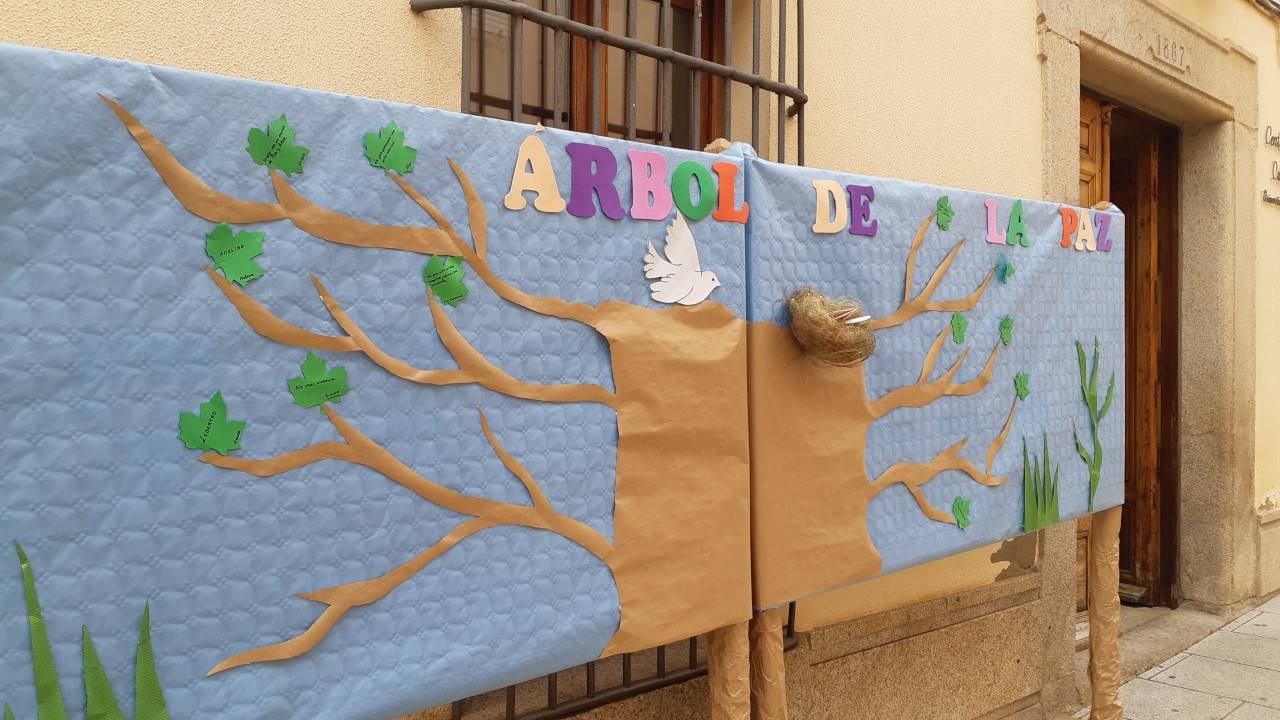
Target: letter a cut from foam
point(727, 175)
point(861, 223)
point(594, 169)
point(1017, 230)
point(650, 196)
point(533, 172)
point(831, 211)
point(1070, 223)
point(1085, 238)
point(994, 235)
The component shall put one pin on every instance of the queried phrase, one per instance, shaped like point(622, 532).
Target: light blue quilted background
point(1055, 296)
point(109, 328)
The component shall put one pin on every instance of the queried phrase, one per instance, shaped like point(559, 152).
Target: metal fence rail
point(664, 53)
point(598, 683)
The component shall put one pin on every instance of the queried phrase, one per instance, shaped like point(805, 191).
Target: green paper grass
point(1089, 388)
point(100, 700)
point(148, 696)
point(1039, 489)
point(49, 705)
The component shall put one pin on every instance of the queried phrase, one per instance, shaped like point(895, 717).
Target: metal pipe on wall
point(782, 78)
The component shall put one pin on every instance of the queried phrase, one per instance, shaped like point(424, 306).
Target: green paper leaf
point(1091, 394)
point(945, 213)
point(99, 701)
point(8, 713)
point(210, 430)
point(1111, 391)
point(233, 254)
point(1006, 329)
point(443, 275)
point(958, 327)
point(387, 150)
point(1021, 383)
point(1084, 454)
point(1004, 269)
point(148, 695)
point(318, 385)
point(1081, 362)
point(49, 705)
point(275, 149)
point(960, 510)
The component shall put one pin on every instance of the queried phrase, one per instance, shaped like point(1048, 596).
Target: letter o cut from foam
point(683, 193)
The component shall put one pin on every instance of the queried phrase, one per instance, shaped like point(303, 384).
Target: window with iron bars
point(654, 71)
point(657, 71)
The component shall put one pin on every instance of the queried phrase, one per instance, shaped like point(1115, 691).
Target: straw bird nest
point(832, 331)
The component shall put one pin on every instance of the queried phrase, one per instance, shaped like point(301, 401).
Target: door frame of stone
point(1151, 58)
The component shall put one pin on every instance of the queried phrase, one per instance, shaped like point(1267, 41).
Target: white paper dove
point(680, 277)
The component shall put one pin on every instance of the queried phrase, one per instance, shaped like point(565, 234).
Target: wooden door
point(1131, 160)
point(1095, 187)
point(1144, 185)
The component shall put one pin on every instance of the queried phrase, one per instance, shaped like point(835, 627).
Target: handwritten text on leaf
point(387, 150)
point(275, 149)
point(233, 254)
point(443, 275)
point(210, 430)
point(318, 385)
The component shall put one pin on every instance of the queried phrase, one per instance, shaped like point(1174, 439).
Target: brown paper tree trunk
point(809, 427)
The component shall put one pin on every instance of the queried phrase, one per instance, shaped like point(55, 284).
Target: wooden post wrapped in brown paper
point(768, 674)
point(729, 672)
point(1104, 615)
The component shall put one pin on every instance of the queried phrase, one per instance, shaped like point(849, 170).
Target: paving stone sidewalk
point(1234, 674)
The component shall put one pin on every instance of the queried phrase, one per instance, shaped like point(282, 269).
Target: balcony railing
point(790, 98)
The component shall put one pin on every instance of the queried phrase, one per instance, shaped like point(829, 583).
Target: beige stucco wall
point(372, 48)
point(946, 93)
point(1241, 22)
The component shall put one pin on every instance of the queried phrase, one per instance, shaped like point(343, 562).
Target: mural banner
point(365, 438)
point(329, 407)
point(953, 376)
